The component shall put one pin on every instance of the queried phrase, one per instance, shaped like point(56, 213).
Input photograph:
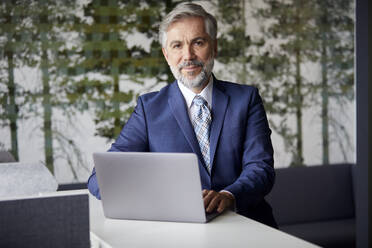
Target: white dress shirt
point(189, 94)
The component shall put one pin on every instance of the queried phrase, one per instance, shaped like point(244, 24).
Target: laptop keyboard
point(210, 216)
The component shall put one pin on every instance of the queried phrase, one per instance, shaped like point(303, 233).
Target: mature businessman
point(223, 123)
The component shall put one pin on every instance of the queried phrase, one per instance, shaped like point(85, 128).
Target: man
point(223, 123)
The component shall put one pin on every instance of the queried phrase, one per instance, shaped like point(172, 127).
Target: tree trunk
point(12, 107)
point(298, 159)
point(168, 6)
point(48, 135)
point(116, 103)
point(325, 131)
point(244, 48)
point(298, 156)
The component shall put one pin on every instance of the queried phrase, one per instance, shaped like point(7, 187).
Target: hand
point(219, 200)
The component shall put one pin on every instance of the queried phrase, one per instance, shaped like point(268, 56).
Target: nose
point(188, 53)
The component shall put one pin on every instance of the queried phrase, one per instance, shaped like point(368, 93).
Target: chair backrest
point(314, 193)
point(6, 157)
point(24, 179)
point(57, 220)
point(72, 186)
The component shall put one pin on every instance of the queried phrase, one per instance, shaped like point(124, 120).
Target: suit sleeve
point(133, 138)
point(257, 175)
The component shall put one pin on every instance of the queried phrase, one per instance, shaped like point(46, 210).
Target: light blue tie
point(201, 120)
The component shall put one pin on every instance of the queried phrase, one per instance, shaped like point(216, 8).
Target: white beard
point(200, 79)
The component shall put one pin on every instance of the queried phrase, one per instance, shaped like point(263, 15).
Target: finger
point(205, 192)
point(207, 199)
point(222, 205)
point(213, 203)
point(226, 201)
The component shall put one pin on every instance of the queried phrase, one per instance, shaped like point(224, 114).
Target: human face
point(190, 52)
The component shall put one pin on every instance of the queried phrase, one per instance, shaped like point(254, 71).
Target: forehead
point(188, 27)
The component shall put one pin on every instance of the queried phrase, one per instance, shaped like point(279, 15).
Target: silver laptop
point(150, 186)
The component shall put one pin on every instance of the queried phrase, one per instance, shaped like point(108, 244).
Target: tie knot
point(199, 101)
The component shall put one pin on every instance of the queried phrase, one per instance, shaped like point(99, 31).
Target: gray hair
point(184, 10)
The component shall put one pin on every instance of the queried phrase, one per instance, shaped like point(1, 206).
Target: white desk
point(227, 230)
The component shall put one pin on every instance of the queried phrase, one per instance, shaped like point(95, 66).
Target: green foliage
point(106, 48)
point(89, 55)
point(305, 32)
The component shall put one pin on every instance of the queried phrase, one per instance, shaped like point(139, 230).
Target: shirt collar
point(189, 94)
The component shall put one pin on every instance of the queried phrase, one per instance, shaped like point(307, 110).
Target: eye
point(199, 42)
point(176, 46)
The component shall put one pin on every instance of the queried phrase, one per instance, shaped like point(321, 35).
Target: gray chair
point(55, 221)
point(25, 179)
point(6, 157)
point(32, 214)
point(316, 203)
point(72, 186)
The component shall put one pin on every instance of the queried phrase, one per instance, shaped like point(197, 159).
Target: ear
point(165, 54)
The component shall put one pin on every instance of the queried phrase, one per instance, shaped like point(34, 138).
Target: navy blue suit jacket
point(240, 146)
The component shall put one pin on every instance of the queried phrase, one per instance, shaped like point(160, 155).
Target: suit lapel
point(178, 108)
point(219, 105)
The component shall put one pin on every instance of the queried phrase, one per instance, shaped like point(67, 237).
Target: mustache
point(191, 62)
